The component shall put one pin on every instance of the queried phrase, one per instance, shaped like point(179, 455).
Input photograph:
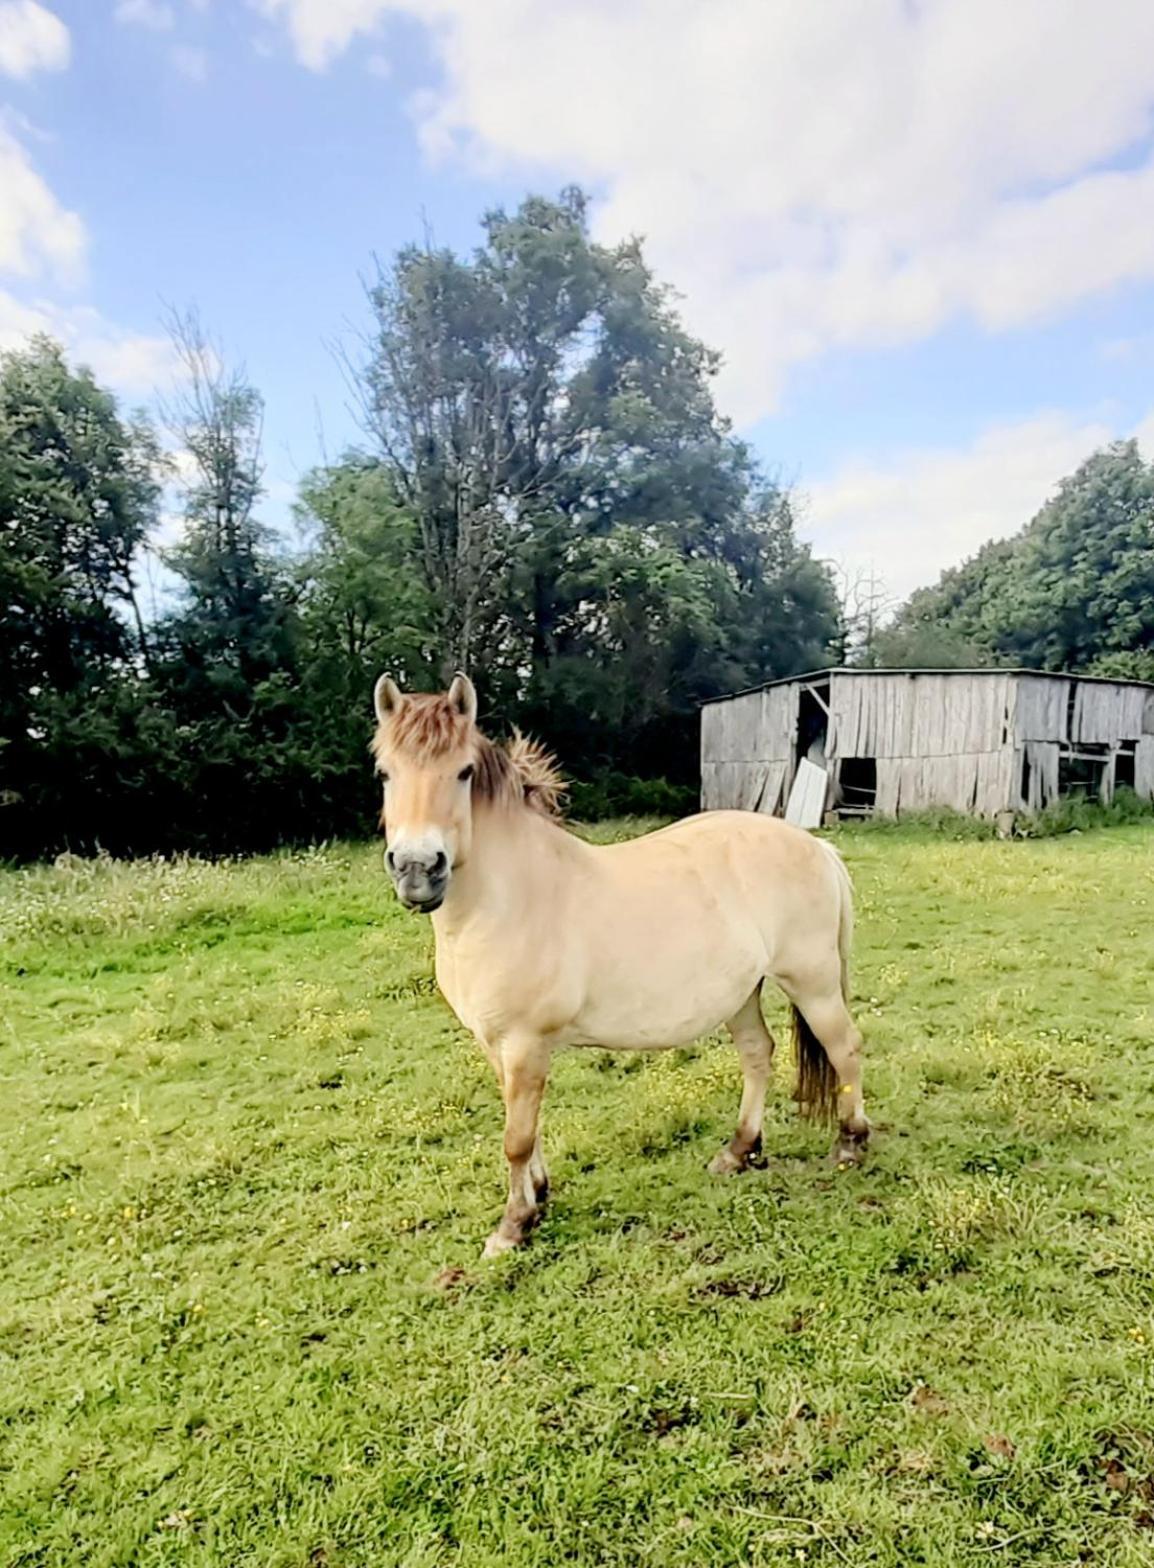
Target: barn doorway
point(857, 782)
point(812, 724)
point(1124, 765)
point(1082, 773)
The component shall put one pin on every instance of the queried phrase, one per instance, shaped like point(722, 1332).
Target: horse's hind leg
point(829, 1019)
point(755, 1048)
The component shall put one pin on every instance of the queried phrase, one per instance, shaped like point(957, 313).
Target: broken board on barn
point(806, 804)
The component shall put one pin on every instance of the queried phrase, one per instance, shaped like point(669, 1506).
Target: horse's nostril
point(390, 860)
point(440, 865)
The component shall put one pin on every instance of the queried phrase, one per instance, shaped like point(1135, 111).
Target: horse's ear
point(387, 698)
point(463, 697)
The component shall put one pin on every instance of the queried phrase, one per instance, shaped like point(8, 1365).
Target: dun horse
point(544, 941)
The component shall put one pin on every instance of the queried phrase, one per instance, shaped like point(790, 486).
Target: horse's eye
point(384, 778)
point(466, 774)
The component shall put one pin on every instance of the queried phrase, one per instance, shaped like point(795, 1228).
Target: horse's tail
point(817, 1082)
point(816, 1091)
point(844, 917)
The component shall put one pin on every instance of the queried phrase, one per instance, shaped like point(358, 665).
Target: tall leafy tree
point(78, 494)
point(590, 531)
point(235, 631)
point(227, 668)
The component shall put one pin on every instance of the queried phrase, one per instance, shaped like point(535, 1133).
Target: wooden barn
point(885, 742)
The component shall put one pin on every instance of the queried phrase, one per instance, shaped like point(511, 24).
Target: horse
point(545, 941)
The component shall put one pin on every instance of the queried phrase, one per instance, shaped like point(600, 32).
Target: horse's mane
point(536, 772)
point(520, 772)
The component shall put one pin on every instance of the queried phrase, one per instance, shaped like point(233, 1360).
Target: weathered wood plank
point(1144, 767)
point(1040, 711)
point(889, 786)
point(773, 794)
point(806, 804)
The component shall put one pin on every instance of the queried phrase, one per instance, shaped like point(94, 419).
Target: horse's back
point(750, 880)
point(770, 839)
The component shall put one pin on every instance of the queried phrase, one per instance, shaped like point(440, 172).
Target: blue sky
point(922, 234)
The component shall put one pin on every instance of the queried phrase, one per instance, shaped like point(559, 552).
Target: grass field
point(247, 1163)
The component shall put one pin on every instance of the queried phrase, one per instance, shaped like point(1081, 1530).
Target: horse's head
point(426, 748)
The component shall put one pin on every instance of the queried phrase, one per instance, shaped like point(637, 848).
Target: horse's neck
point(509, 875)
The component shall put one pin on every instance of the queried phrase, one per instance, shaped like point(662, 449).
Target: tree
point(926, 644)
point(596, 546)
point(365, 603)
point(235, 773)
point(235, 627)
point(362, 607)
point(863, 604)
point(78, 495)
point(1074, 590)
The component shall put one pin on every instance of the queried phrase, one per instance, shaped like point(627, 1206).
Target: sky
point(920, 232)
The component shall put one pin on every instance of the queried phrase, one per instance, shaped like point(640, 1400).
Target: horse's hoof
point(726, 1163)
point(846, 1156)
point(497, 1244)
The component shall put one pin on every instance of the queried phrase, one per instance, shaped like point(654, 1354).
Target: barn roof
point(843, 669)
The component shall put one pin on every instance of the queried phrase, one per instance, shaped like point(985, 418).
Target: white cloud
point(41, 238)
point(323, 29)
point(32, 38)
point(36, 231)
point(913, 515)
point(810, 176)
point(132, 363)
point(1143, 433)
point(191, 62)
point(153, 14)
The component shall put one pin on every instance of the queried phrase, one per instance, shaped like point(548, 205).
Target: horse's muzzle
point(423, 900)
point(421, 883)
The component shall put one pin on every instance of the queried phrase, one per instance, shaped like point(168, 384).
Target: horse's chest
point(494, 996)
point(477, 1007)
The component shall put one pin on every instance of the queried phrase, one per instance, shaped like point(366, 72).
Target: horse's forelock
point(424, 727)
point(427, 726)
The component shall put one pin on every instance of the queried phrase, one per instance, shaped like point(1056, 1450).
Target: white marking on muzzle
point(422, 849)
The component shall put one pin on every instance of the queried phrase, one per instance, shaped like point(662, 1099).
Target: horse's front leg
point(523, 1074)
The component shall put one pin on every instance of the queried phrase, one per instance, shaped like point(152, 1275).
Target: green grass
point(247, 1163)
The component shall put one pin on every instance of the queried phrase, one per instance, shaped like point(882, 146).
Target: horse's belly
point(670, 994)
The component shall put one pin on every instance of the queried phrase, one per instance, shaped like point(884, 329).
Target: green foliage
point(1077, 814)
point(364, 602)
point(243, 1321)
point(235, 629)
point(1073, 591)
point(617, 795)
point(78, 493)
point(1131, 664)
point(937, 822)
point(1070, 814)
point(920, 642)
